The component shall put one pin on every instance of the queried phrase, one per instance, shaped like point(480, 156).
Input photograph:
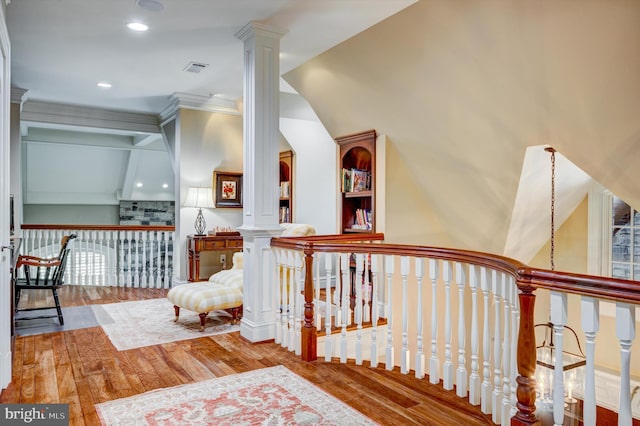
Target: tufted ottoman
point(223, 291)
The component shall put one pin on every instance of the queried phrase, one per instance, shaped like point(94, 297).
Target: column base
point(256, 333)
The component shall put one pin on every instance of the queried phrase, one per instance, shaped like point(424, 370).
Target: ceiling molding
point(18, 96)
point(89, 117)
point(209, 103)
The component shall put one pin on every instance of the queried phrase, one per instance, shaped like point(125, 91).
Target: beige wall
point(462, 88)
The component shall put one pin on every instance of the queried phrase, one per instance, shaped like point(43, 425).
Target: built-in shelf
point(357, 182)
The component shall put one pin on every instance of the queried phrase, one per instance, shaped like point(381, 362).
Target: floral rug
point(269, 396)
point(151, 322)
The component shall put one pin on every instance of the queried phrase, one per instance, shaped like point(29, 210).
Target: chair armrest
point(37, 261)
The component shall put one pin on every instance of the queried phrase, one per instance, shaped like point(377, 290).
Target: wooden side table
point(199, 243)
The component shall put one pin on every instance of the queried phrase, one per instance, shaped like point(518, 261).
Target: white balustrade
point(108, 257)
point(484, 314)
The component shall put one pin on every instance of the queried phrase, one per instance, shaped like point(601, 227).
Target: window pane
point(621, 270)
point(636, 246)
point(621, 212)
point(636, 273)
point(636, 218)
point(621, 245)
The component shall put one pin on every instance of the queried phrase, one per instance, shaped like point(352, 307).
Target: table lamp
point(199, 198)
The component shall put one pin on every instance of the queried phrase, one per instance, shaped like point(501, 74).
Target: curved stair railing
point(461, 318)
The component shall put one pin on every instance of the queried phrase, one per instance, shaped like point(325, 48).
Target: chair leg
point(203, 319)
point(176, 309)
point(55, 298)
point(17, 300)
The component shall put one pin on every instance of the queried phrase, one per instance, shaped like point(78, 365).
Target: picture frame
point(227, 190)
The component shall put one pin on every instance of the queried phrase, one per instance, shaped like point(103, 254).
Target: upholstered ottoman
point(223, 291)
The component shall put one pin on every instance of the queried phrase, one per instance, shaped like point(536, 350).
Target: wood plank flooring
point(81, 368)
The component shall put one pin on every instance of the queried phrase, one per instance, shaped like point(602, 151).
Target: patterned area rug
point(151, 322)
point(270, 396)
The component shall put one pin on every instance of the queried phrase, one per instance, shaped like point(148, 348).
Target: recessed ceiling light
point(152, 5)
point(139, 184)
point(104, 84)
point(165, 185)
point(137, 26)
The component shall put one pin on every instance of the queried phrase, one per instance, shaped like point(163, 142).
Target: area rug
point(269, 396)
point(75, 317)
point(151, 322)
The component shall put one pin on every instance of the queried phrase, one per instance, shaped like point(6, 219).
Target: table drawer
point(212, 245)
point(235, 243)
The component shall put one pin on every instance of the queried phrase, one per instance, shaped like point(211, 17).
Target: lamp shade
point(199, 197)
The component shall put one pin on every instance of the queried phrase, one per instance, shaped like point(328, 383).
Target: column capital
point(256, 28)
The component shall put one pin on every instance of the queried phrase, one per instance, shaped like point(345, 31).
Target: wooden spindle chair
point(43, 274)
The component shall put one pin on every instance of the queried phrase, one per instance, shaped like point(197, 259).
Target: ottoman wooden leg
point(236, 313)
point(203, 319)
point(176, 308)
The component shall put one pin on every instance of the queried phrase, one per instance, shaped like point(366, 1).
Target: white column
point(261, 177)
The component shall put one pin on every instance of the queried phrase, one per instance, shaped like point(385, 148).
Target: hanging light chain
point(553, 205)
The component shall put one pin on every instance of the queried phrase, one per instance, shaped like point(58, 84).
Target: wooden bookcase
point(357, 176)
point(286, 187)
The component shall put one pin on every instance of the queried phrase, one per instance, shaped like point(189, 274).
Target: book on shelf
point(285, 215)
point(355, 180)
point(363, 219)
point(285, 189)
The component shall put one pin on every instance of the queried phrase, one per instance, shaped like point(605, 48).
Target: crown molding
point(85, 117)
point(18, 96)
point(209, 103)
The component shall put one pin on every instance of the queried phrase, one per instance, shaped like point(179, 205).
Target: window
point(624, 251)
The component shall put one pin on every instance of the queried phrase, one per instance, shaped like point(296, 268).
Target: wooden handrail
point(102, 227)
point(528, 279)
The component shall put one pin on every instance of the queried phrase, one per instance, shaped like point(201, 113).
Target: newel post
point(309, 337)
point(526, 391)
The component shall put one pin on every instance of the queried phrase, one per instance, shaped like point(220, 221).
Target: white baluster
point(157, 253)
point(299, 303)
point(291, 291)
point(625, 332)
point(389, 360)
point(515, 325)
point(497, 351)
point(359, 278)
point(366, 291)
point(374, 310)
point(328, 267)
point(144, 274)
point(461, 371)
point(120, 254)
point(405, 354)
point(434, 362)
point(447, 379)
point(474, 379)
point(135, 246)
point(344, 304)
point(420, 360)
point(506, 353)
point(590, 310)
point(559, 320)
point(485, 397)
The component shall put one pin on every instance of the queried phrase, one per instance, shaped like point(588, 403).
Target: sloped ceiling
point(461, 89)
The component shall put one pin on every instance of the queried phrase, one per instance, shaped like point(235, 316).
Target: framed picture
point(227, 189)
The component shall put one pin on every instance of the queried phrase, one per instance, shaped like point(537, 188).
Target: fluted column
point(261, 176)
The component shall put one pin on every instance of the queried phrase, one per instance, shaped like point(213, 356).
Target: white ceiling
point(61, 49)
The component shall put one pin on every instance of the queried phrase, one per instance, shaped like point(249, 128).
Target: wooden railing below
point(461, 318)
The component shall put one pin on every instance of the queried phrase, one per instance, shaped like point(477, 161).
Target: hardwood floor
point(81, 368)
